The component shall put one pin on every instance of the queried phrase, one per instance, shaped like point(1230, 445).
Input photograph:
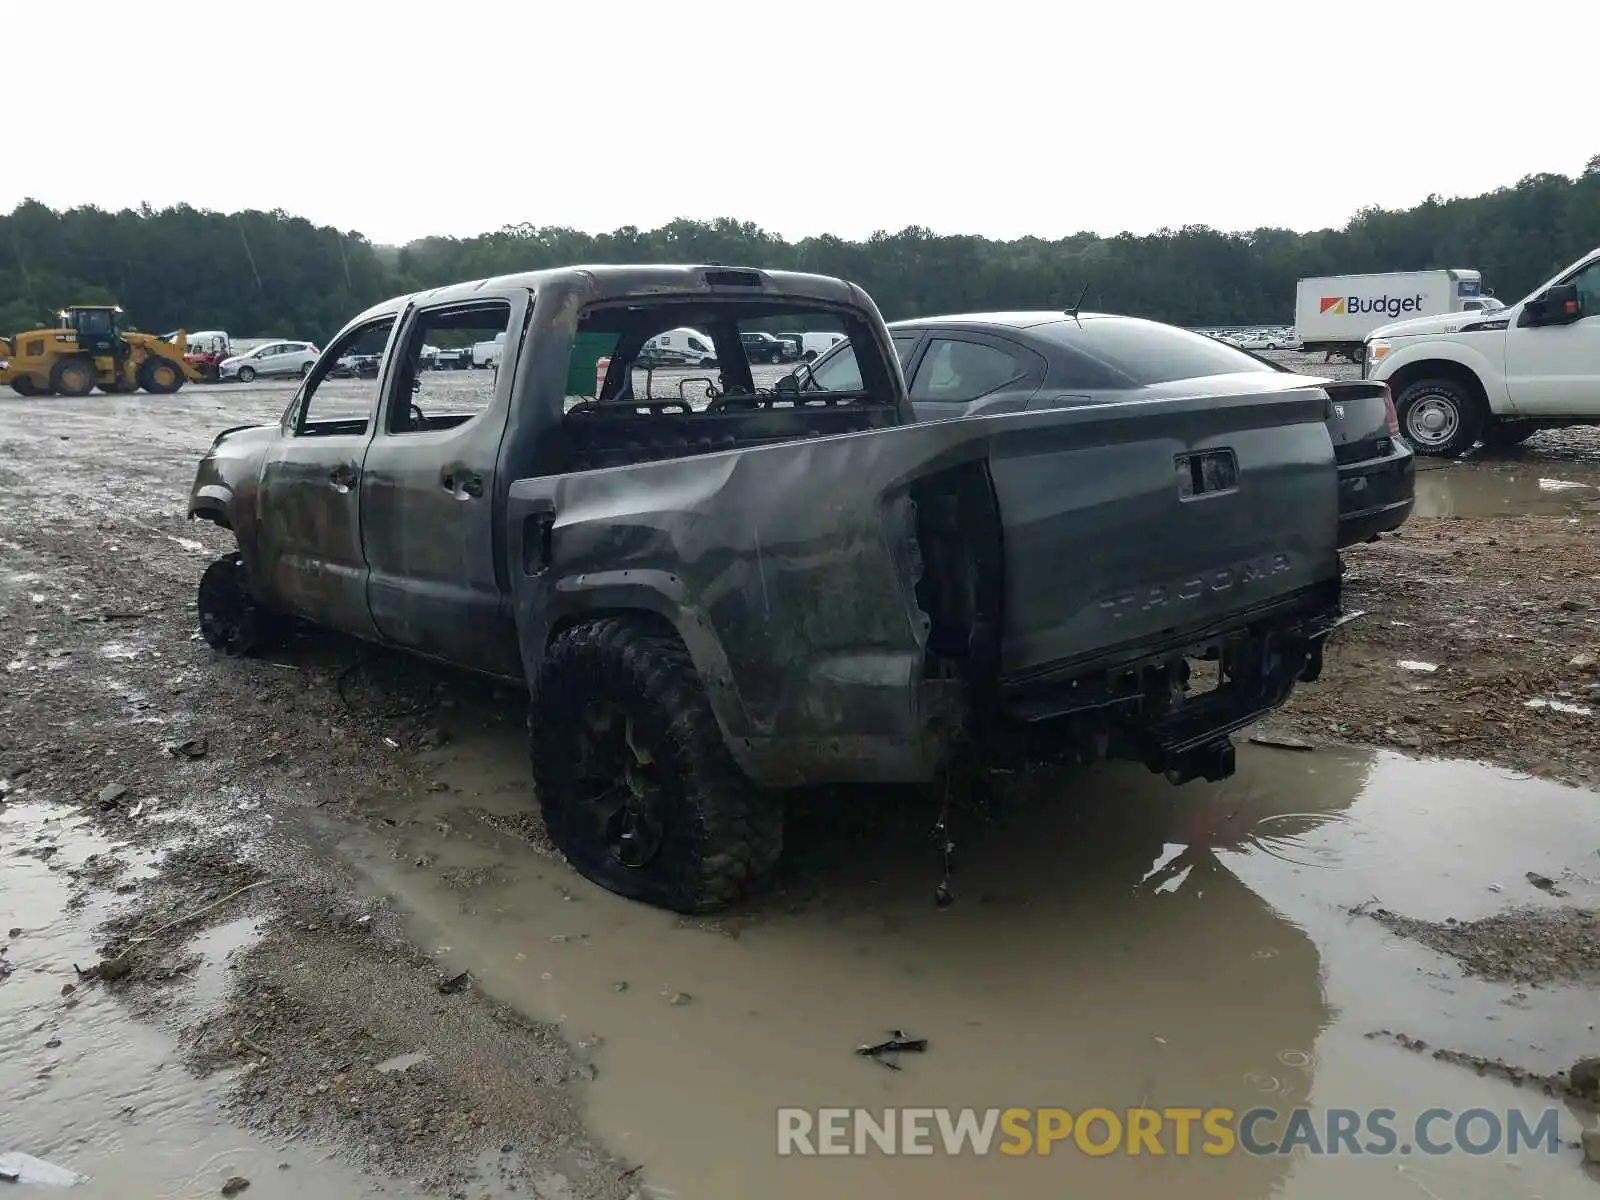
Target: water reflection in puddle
point(1491, 489)
point(89, 1090)
point(1115, 942)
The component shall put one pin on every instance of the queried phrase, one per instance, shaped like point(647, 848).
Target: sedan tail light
point(1394, 417)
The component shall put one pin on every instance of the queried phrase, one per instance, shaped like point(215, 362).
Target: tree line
point(273, 274)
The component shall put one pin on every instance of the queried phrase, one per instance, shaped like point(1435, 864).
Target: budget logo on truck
point(1385, 305)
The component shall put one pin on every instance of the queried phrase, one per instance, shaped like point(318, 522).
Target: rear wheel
point(637, 787)
point(160, 376)
point(305, 369)
point(73, 376)
point(1440, 417)
point(231, 620)
point(247, 374)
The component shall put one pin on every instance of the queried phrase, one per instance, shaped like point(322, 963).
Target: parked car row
point(1256, 339)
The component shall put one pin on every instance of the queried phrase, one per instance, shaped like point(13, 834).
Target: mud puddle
point(1115, 942)
point(86, 1088)
point(1525, 487)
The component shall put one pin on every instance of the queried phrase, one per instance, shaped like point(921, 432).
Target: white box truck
point(1334, 313)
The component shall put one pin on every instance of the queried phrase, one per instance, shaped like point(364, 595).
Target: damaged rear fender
point(790, 572)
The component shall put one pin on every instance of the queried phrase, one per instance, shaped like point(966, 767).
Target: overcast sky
point(811, 117)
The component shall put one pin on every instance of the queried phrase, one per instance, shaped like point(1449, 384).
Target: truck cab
point(1497, 375)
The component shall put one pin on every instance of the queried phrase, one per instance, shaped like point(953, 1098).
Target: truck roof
point(615, 281)
point(1455, 272)
point(1012, 320)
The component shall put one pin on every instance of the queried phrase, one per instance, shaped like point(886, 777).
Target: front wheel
point(23, 385)
point(231, 619)
point(247, 374)
point(1440, 417)
point(637, 787)
point(160, 376)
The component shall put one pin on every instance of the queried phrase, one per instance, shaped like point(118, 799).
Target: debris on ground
point(1583, 1077)
point(1556, 1085)
point(884, 1053)
point(107, 970)
point(1560, 706)
point(192, 748)
point(1280, 741)
point(16, 1167)
point(1525, 945)
point(456, 983)
point(1544, 883)
point(235, 1185)
point(111, 794)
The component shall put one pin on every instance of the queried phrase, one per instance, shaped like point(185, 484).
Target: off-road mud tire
point(232, 621)
point(1459, 415)
point(722, 834)
point(73, 376)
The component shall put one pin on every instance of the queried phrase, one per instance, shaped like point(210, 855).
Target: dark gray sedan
point(963, 366)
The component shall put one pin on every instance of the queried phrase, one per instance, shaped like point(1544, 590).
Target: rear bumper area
point(1375, 497)
point(1152, 705)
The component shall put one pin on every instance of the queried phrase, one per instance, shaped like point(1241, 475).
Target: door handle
point(463, 487)
point(342, 478)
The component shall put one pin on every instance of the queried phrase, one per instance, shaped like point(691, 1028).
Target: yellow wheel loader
point(90, 349)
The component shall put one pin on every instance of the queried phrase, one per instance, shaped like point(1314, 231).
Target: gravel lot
point(338, 911)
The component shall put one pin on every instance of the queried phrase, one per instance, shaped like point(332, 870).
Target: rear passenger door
point(962, 374)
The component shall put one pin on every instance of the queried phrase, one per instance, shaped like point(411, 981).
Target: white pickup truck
point(1497, 376)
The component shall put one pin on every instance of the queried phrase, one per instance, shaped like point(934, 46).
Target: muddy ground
point(345, 959)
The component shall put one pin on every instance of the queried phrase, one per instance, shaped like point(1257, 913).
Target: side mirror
point(1558, 306)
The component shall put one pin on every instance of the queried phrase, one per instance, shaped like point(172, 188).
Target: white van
point(681, 345)
point(487, 354)
point(814, 344)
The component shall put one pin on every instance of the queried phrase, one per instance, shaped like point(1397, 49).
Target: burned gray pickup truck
point(716, 596)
